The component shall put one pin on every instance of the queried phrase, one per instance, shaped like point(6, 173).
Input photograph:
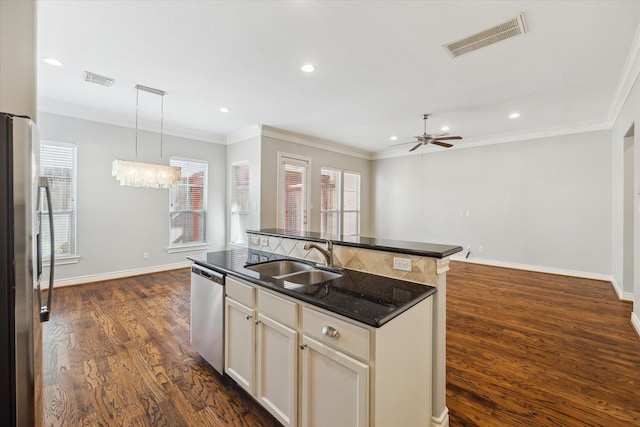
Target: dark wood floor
point(533, 349)
point(524, 349)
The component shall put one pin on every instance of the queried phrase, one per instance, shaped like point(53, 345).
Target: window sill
point(71, 259)
point(188, 248)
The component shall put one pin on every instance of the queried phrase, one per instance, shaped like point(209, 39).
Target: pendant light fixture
point(148, 175)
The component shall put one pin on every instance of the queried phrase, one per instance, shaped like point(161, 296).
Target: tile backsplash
point(423, 269)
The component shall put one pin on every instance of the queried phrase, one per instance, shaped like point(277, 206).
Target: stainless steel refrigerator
point(22, 196)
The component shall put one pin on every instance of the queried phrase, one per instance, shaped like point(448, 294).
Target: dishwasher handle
point(214, 276)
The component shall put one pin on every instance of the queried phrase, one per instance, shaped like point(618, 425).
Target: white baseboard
point(625, 296)
point(550, 270)
point(118, 274)
point(442, 420)
point(635, 321)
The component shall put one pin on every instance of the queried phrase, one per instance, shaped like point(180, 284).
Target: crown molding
point(252, 131)
point(627, 78)
point(46, 105)
point(314, 142)
point(480, 142)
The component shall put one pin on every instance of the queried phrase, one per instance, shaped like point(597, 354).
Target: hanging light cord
point(137, 96)
point(161, 122)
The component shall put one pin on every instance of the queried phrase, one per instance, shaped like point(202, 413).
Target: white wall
point(18, 58)
point(117, 224)
point(539, 203)
point(247, 150)
point(319, 158)
point(629, 117)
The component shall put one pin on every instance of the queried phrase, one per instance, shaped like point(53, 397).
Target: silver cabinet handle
point(330, 331)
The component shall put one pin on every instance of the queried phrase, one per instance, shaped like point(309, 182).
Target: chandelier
point(148, 175)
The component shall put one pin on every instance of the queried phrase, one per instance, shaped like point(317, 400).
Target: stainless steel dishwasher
point(207, 315)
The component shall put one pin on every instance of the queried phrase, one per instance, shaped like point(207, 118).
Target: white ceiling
point(380, 66)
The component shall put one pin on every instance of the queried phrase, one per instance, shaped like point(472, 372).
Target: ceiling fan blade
point(447, 138)
point(417, 145)
point(442, 144)
point(402, 143)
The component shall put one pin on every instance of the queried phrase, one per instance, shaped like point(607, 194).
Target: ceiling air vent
point(511, 28)
point(98, 79)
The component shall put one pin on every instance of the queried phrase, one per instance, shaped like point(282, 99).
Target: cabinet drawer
point(352, 338)
point(239, 291)
point(278, 308)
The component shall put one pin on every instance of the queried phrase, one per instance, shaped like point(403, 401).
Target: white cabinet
point(239, 344)
point(349, 374)
point(262, 347)
point(335, 387)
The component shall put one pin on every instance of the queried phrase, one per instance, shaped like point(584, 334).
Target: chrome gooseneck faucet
point(328, 253)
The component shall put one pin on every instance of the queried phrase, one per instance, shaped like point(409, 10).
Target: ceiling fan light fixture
point(444, 128)
point(394, 138)
point(514, 115)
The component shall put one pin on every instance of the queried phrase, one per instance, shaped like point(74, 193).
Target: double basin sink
point(294, 273)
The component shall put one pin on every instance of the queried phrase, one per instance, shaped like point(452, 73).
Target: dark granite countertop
point(367, 298)
point(433, 250)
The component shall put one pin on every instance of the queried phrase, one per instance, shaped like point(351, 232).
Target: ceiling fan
point(430, 138)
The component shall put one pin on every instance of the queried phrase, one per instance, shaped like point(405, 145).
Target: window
point(293, 182)
point(340, 202)
point(239, 201)
point(188, 204)
point(330, 201)
point(58, 164)
point(351, 204)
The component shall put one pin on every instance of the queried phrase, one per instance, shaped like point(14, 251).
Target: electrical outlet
point(145, 255)
point(403, 264)
point(264, 241)
point(480, 248)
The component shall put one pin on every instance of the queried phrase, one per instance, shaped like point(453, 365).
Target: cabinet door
point(277, 368)
point(335, 387)
point(240, 344)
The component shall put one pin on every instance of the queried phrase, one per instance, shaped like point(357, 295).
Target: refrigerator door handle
point(45, 310)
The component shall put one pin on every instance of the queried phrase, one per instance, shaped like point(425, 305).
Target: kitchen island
point(368, 264)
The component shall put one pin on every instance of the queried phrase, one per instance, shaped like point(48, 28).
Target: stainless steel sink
point(310, 277)
point(278, 269)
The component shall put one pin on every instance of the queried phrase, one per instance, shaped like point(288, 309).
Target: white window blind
point(330, 201)
point(58, 164)
point(239, 201)
point(340, 202)
point(188, 204)
point(293, 179)
point(351, 206)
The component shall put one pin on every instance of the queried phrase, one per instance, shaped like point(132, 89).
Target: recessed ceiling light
point(514, 115)
point(53, 61)
point(444, 128)
point(308, 68)
point(394, 138)
point(224, 110)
